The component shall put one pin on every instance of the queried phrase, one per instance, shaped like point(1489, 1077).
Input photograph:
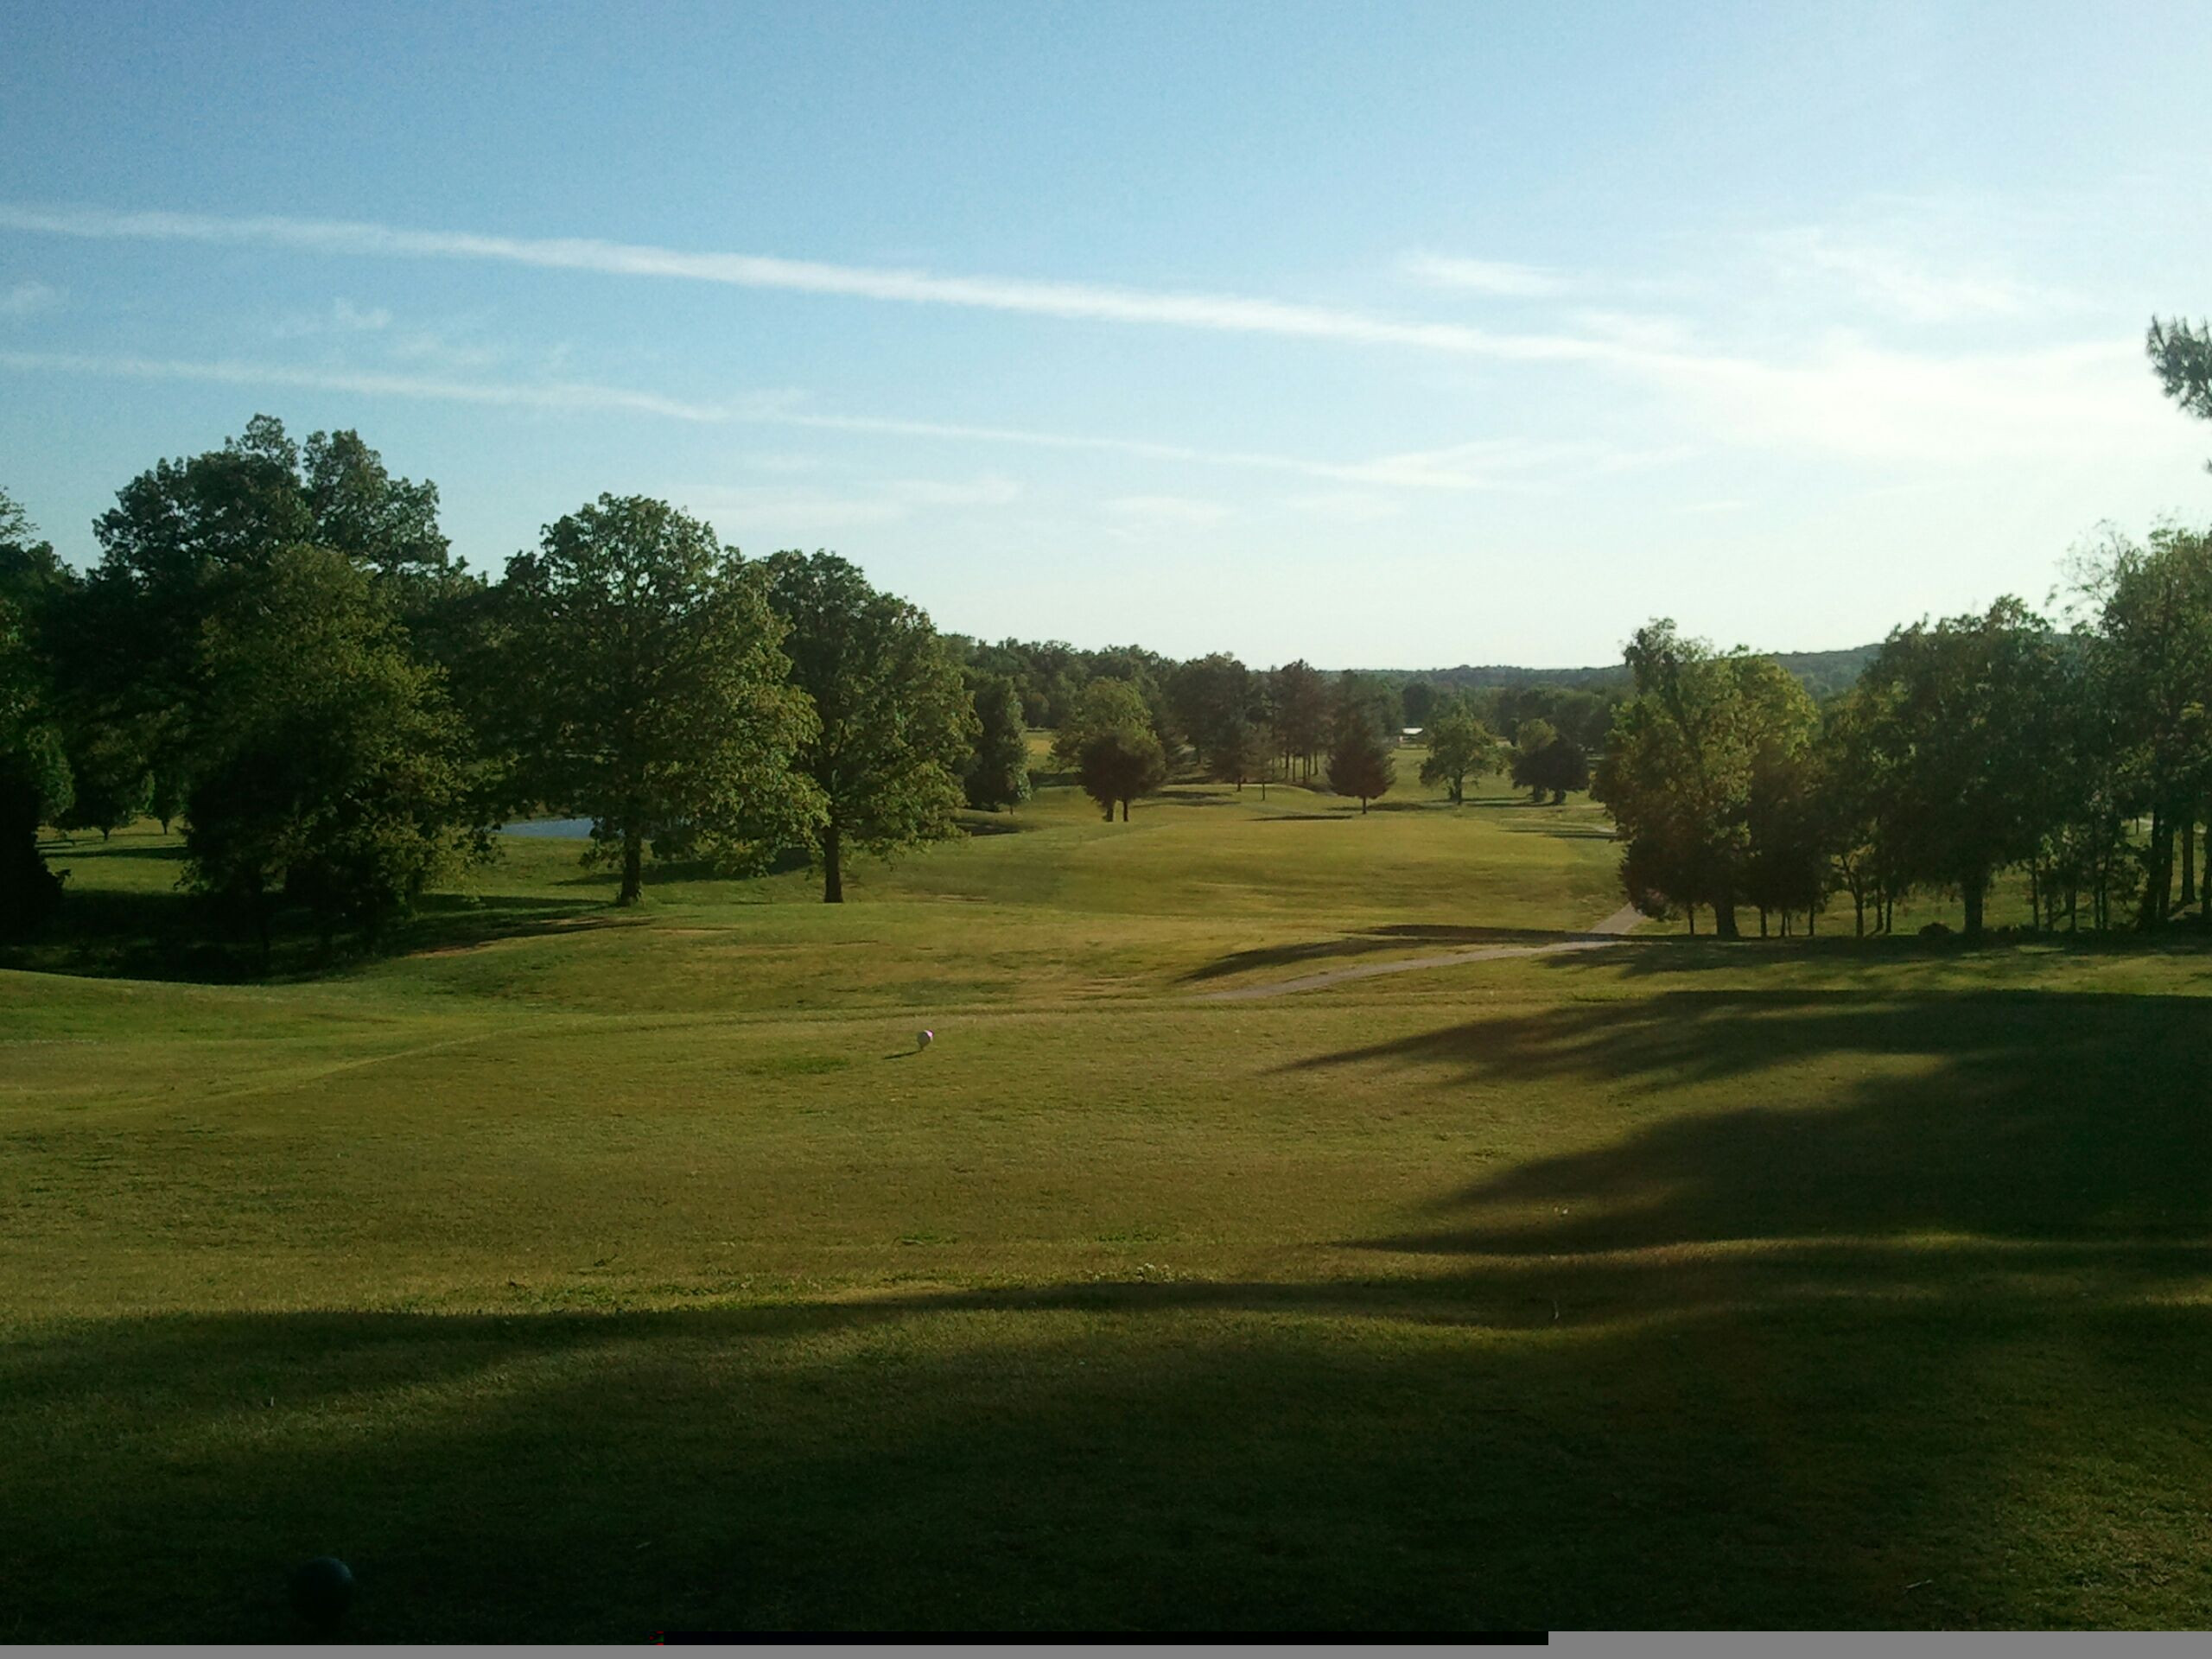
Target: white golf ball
point(923, 1039)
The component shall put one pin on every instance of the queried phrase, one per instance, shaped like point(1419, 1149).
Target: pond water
point(565, 829)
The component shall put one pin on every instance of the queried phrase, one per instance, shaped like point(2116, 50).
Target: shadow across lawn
point(1368, 943)
point(1847, 1442)
point(2028, 1115)
point(180, 937)
point(1670, 954)
point(1929, 1351)
point(61, 851)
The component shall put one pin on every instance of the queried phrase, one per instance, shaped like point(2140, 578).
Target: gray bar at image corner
point(1883, 1644)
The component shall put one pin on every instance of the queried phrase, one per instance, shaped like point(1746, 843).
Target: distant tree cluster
point(1966, 749)
point(1970, 746)
point(276, 647)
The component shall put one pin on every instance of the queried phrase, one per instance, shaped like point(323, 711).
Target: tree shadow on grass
point(180, 937)
point(166, 853)
point(1659, 955)
point(2026, 1115)
point(1930, 1352)
point(1368, 943)
point(1188, 795)
point(1568, 1444)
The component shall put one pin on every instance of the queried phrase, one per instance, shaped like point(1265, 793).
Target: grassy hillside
point(575, 1274)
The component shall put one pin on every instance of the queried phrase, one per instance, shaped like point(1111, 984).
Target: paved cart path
point(1611, 931)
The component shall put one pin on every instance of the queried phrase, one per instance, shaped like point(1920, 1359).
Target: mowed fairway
point(576, 1273)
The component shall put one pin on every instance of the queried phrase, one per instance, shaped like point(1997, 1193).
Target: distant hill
point(1823, 673)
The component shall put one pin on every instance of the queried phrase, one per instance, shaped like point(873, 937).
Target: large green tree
point(1299, 696)
point(114, 784)
point(1547, 762)
point(1975, 703)
point(1681, 769)
point(2151, 643)
point(1118, 764)
point(653, 690)
point(36, 785)
point(34, 781)
point(997, 773)
point(1103, 705)
point(895, 725)
point(1786, 868)
point(33, 578)
point(1858, 804)
point(1109, 740)
point(1460, 748)
point(185, 533)
point(1211, 698)
point(335, 772)
point(1360, 761)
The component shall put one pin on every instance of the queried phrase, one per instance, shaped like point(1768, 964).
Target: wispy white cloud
point(1496, 276)
point(21, 299)
point(1164, 512)
point(1483, 465)
point(1347, 506)
point(1858, 400)
point(1843, 397)
point(1905, 285)
point(1846, 397)
point(552, 395)
point(971, 493)
point(343, 317)
point(884, 503)
point(1226, 312)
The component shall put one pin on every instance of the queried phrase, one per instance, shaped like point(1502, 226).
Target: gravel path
point(1609, 932)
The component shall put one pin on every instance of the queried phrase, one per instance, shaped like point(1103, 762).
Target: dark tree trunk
point(833, 867)
point(1690, 912)
point(633, 867)
point(1859, 913)
point(1125, 811)
point(1723, 919)
point(2159, 878)
point(1762, 921)
point(1973, 889)
point(2189, 858)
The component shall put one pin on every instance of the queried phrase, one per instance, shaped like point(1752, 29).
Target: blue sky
point(1402, 334)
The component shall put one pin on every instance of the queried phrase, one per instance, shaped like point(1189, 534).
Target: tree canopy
point(334, 771)
point(656, 694)
point(1460, 748)
point(893, 725)
point(997, 773)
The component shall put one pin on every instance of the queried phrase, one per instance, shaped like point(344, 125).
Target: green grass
point(575, 1274)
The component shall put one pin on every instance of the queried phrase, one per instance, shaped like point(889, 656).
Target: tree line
point(2078, 757)
point(276, 647)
